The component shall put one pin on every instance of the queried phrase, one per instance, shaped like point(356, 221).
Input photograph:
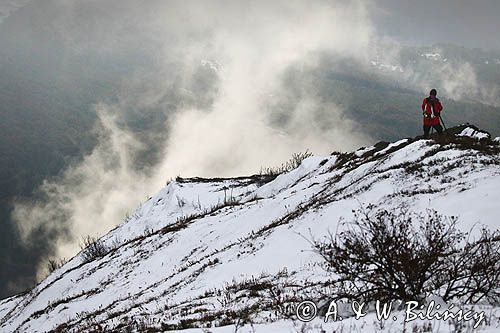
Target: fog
point(239, 50)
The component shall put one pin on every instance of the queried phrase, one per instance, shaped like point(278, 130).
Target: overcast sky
point(472, 23)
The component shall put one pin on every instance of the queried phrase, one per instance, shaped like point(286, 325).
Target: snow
point(469, 131)
point(391, 146)
point(175, 200)
point(8, 304)
point(284, 181)
point(360, 152)
point(244, 230)
point(368, 323)
point(408, 154)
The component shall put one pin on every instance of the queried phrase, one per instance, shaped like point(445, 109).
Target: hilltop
point(223, 252)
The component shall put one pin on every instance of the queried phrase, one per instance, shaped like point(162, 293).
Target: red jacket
point(431, 118)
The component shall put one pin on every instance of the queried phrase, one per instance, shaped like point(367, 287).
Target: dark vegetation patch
point(293, 163)
point(388, 256)
point(259, 179)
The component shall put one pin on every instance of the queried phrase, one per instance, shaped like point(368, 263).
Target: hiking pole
point(442, 122)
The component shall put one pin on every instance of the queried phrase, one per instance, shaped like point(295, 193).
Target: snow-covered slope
point(206, 252)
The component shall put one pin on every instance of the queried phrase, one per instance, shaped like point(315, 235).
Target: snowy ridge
point(209, 251)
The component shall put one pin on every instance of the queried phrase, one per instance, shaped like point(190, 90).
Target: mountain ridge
point(213, 251)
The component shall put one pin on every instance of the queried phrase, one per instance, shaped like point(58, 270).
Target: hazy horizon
point(466, 23)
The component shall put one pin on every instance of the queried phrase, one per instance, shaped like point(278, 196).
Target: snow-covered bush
point(398, 255)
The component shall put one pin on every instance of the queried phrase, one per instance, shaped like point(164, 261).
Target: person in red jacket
point(432, 107)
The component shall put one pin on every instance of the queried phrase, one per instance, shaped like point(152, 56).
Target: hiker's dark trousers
point(427, 128)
